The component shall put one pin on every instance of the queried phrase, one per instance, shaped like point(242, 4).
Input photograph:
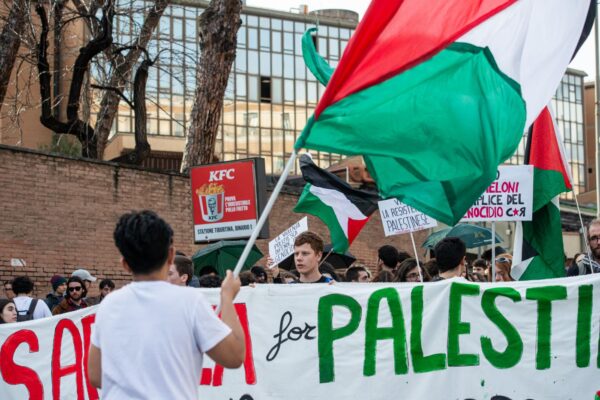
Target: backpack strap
point(31, 308)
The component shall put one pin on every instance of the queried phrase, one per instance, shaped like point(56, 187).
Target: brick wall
point(59, 213)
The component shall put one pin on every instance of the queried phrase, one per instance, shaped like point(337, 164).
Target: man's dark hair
point(353, 272)
point(184, 266)
point(22, 285)
point(209, 269)
point(107, 282)
point(431, 267)
point(210, 281)
point(258, 271)
point(78, 280)
point(315, 241)
point(402, 255)
point(144, 239)
point(449, 252)
point(480, 262)
point(247, 277)
point(389, 255)
point(487, 255)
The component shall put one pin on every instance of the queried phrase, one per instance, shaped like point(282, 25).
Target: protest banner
point(283, 245)
point(227, 198)
point(508, 198)
point(446, 340)
point(398, 218)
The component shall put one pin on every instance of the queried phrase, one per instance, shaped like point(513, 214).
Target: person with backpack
point(28, 308)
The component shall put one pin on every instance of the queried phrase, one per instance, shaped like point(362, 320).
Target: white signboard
point(437, 341)
point(398, 218)
point(508, 198)
point(283, 245)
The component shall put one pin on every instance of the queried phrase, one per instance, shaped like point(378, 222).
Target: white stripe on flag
point(343, 208)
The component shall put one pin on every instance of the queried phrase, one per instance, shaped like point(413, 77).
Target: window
point(265, 89)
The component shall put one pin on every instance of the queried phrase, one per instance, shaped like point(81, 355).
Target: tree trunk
point(218, 39)
point(110, 100)
point(10, 40)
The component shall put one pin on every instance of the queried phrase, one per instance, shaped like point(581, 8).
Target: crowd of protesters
point(311, 266)
point(68, 294)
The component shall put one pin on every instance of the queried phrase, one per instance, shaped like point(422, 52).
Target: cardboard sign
point(508, 198)
point(225, 199)
point(398, 218)
point(283, 245)
point(446, 340)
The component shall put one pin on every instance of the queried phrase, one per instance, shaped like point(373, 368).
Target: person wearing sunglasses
point(74, 295)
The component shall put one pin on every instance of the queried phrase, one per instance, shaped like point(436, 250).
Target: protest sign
point(452, 339)
point(508, 198)
point(227, 199)
point(398, 218)
point(283, 245)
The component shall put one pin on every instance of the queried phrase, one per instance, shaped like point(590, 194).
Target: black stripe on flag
point(366, 202)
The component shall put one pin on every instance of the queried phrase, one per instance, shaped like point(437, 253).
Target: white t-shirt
point(152, 336)
point(41, 309)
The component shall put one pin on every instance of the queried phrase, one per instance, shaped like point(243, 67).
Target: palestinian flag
point(538, 250)
point(597, 395)
point(343, 209)
point(436, 94)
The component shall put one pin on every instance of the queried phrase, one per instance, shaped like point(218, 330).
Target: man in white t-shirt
point(26, 310)
point(149, 337)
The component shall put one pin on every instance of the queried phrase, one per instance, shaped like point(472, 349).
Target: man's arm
point(95, 367)
point(231, 351)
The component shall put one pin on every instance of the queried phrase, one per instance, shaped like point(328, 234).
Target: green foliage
point(63, 145)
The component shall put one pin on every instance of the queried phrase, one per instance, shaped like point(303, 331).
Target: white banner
point(508, 198)
point(398, 218)
point(446, 340)
point(283, 245)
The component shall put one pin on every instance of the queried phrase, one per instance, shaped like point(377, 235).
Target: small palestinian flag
point(538, 250)
point(343, 209)
point(597, 395)
point(435, 94)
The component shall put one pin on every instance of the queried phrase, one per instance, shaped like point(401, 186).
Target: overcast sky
point(583, 61)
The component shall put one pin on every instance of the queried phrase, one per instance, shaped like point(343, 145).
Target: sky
point(584, 60)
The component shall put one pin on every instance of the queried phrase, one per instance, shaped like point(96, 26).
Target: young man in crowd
point(106, 287)
point(8, 292)
point(387, 258)
point(450, 257)
point(87, 279)
point(150, 336)
point(74, 298)
point(59, 287)
point(357, 273)
point(181, 271)
point(308, 250)
point(28, 308)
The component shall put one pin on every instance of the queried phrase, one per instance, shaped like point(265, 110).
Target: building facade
point(270, 94)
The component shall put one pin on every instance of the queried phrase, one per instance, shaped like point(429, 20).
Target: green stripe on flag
point(432, 136)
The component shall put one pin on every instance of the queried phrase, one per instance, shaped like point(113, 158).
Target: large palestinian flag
point(538, 250)
point(436, 94)
point(343, 209)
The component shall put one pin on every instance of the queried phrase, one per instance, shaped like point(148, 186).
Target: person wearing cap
point(59, 286)
point(87, 279)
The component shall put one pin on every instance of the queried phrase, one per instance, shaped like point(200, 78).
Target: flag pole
point(412, 239)
point(493, 251)
point(263, 218)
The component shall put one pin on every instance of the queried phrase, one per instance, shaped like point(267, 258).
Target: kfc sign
point(226, 199)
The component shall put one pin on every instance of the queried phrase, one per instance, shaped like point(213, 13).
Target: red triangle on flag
point(544, 152)
point(354, 228)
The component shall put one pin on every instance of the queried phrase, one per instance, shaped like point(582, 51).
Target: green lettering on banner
point(456, 327)
point(544, 297)
point(421, 363)
point(514, 348)
point(584, 326)
point(327, 334)
point(374, 333)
